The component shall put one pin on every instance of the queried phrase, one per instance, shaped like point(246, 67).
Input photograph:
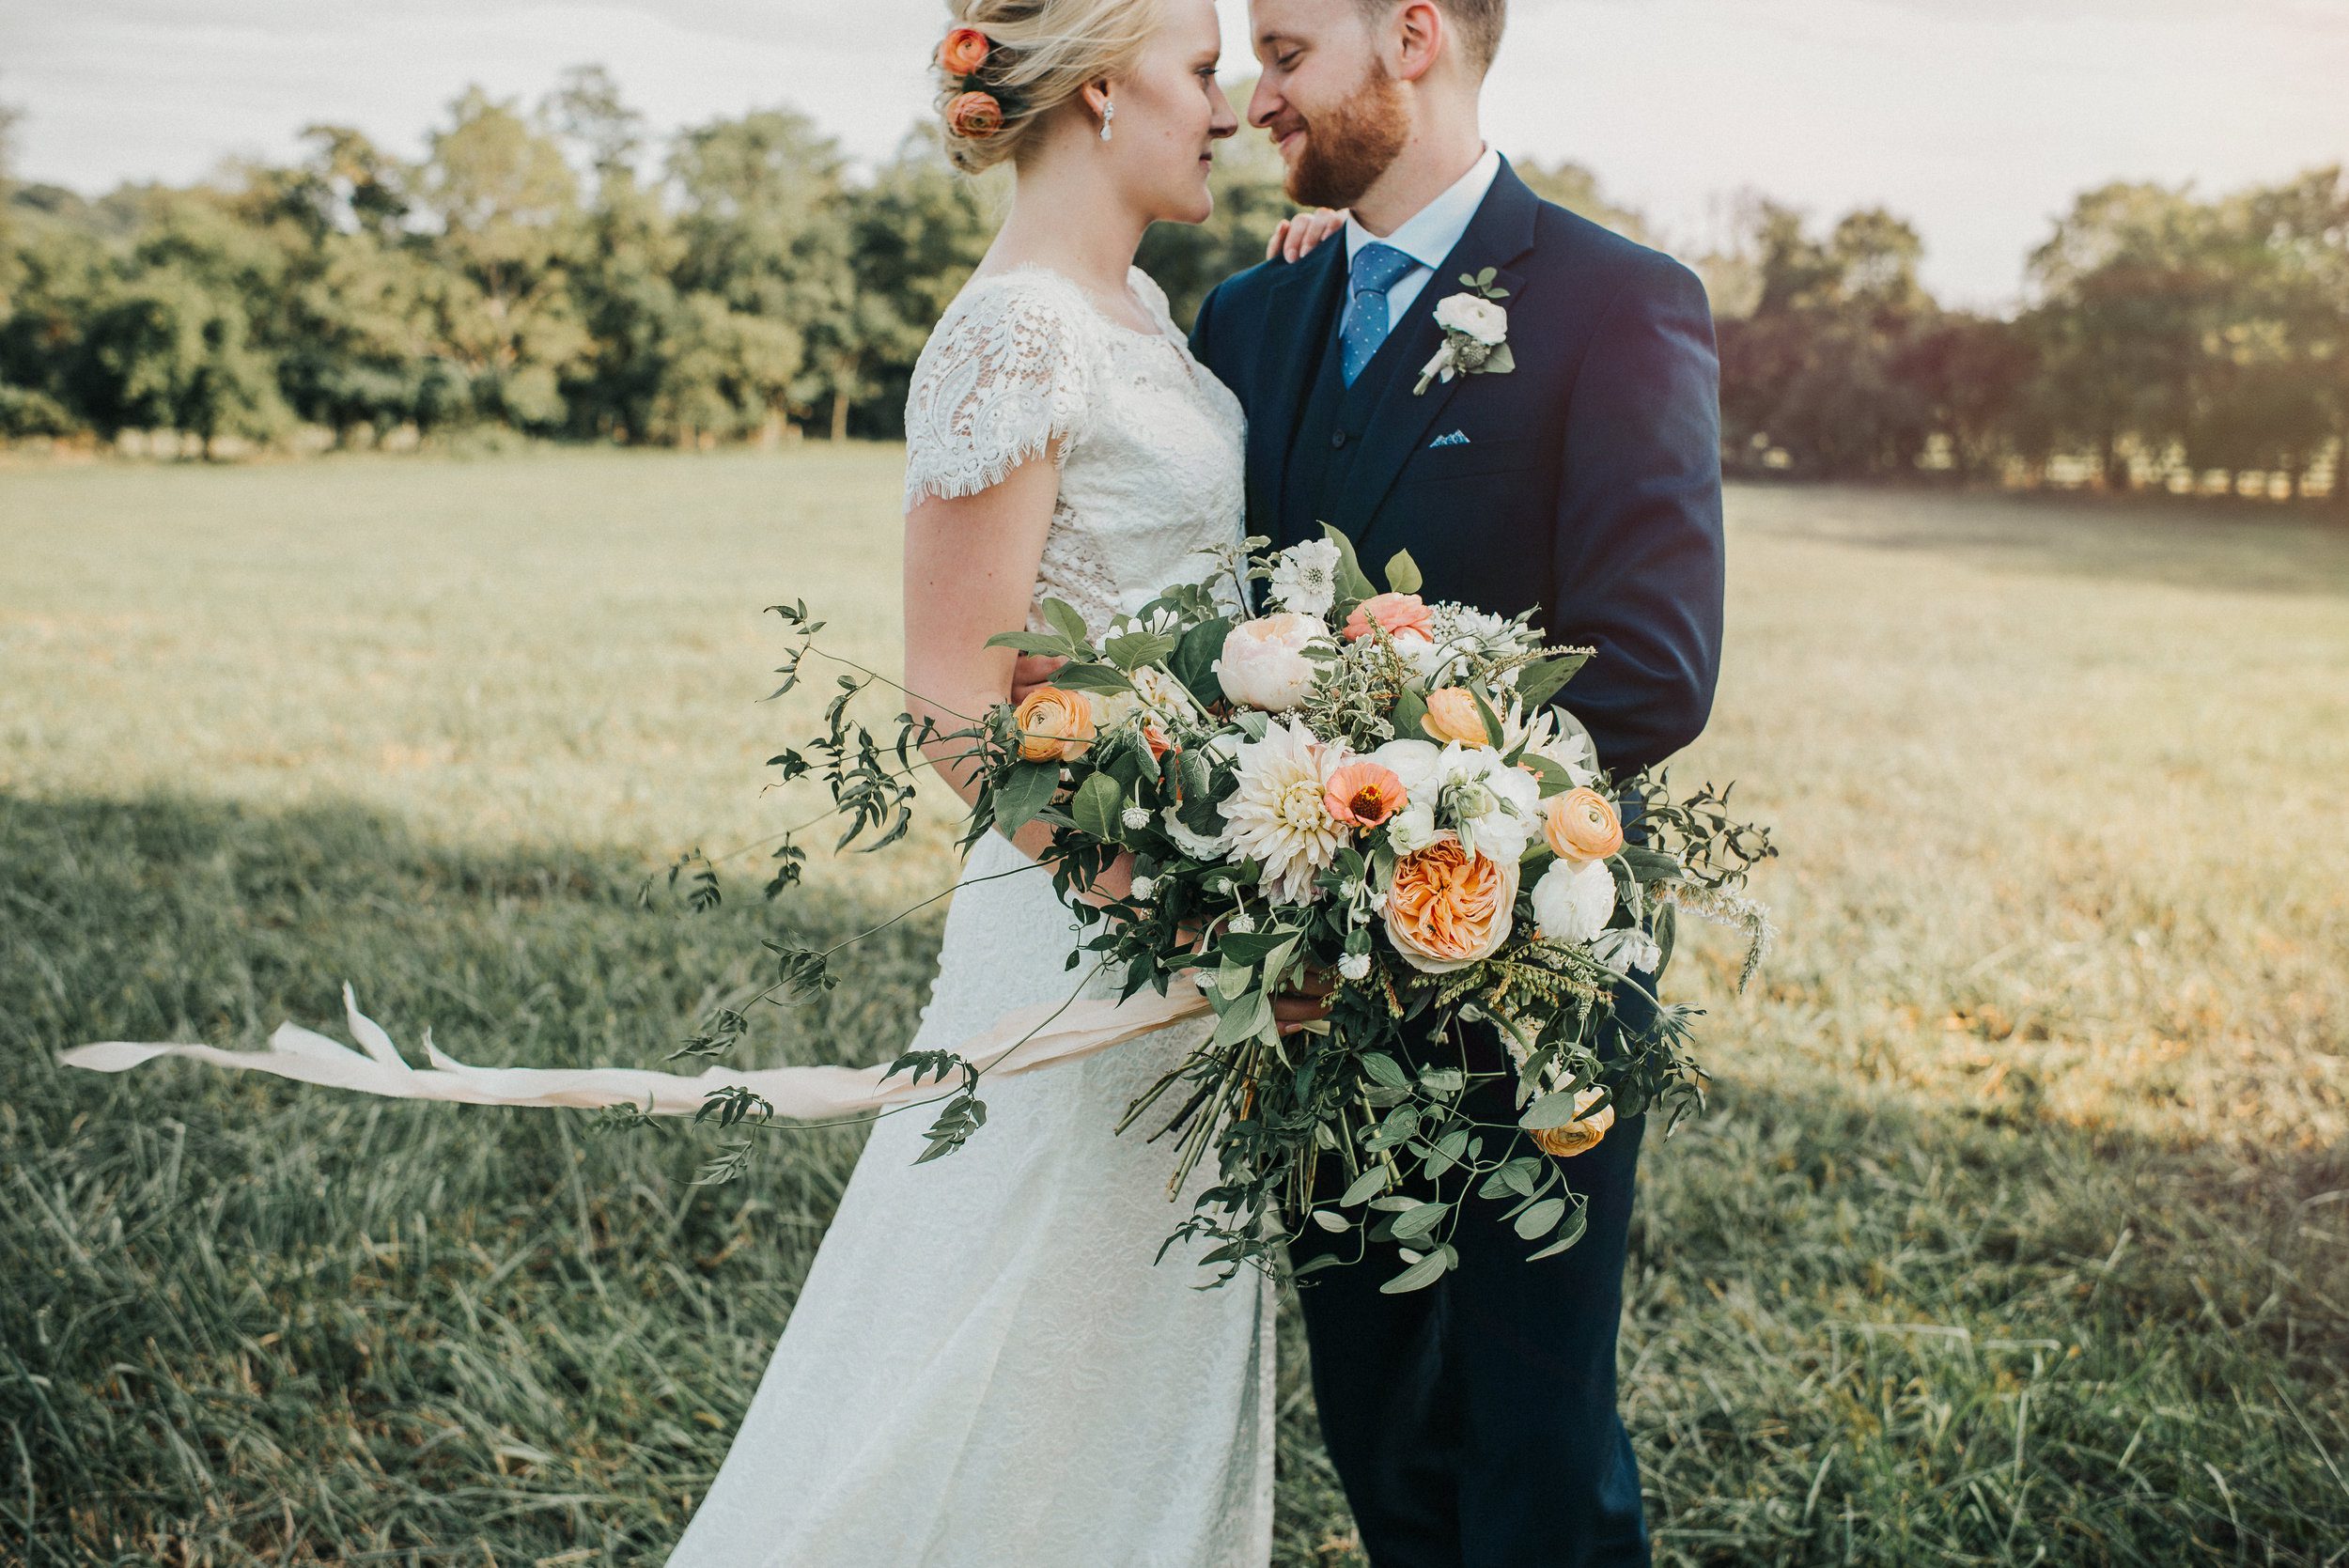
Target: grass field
point(2017, 1232)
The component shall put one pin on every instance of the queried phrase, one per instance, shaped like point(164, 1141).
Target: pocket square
point(1455, 438)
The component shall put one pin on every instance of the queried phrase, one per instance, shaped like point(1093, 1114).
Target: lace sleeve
point(1007, 372)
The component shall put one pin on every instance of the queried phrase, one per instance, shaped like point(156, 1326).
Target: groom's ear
point(1424, 35)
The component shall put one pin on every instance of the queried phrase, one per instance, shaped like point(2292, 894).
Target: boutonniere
point(1475, 334)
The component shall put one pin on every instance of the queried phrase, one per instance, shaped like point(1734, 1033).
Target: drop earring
point(1107, 111)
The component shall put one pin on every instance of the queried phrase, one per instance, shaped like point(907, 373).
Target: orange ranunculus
point(1398, 613)
point(1581, 825)
point(1453, 715)
point(1580, 1135)
point(1054, 726)
point(975, 115)
point(1363, 794)
point(964, 52)
point(1448, 909)
point(1157, 739)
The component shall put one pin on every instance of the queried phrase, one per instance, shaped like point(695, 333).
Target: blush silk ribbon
point(1019, 1042)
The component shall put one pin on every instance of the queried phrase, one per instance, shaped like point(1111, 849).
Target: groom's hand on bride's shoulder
point(1297, 236)
point(1030, 671)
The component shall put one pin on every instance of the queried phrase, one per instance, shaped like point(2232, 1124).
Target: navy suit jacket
point(1587, 486)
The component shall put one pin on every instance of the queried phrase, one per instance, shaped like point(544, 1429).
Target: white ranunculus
point(1574, 900)
point(1412, 828)
point(1475, 316)
point(1627, 950)
point(1305, 578)
point(1264, 665)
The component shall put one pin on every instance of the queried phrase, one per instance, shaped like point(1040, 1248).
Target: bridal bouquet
point(1358, 791)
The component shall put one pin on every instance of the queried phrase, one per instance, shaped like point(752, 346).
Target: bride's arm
point(969, 573)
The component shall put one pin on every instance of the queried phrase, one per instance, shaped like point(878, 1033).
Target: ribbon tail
point(1021, 1042)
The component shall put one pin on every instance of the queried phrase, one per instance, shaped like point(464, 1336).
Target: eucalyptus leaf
point(1576, 1224)
point(1418, 1277)
point(1403, 573)
point(1420, 1219)
point(1537, 1221)
point(1364, 1187)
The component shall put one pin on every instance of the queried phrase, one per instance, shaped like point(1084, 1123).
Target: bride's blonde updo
point(1005, 64)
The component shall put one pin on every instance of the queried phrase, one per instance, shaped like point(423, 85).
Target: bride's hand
point(1030, 671)
point(1297, 236)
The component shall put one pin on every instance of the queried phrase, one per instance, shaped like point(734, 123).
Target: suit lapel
point(1297, 319)
point(1501, 233)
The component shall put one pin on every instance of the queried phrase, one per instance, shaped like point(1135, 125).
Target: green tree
point(504, 200)
point(764, 221)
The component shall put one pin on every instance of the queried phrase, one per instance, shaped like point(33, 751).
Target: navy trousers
point(1473, 1423)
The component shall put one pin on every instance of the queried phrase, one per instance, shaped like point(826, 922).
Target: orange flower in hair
point(975, 115)
point(964, 52)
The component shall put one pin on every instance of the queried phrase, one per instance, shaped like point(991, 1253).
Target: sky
point(1978, 119)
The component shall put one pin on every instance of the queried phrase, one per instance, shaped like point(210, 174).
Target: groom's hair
point(1475, 24)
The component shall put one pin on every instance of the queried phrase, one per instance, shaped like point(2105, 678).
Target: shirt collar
point(1429, 235)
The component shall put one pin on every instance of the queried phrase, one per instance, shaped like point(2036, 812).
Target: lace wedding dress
point(985, 1369)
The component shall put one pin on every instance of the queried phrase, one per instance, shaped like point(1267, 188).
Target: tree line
point(551, 271)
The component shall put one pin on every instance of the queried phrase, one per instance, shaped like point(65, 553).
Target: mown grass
point(2016, 1233)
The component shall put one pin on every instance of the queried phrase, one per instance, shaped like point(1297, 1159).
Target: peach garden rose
point(1448, 908)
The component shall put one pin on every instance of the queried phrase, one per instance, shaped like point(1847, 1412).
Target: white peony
point(1305, 578)
point(1264, 665)
point(1627, 950)
point(1472, 316)
point(1574, 900)
point(1276, 813)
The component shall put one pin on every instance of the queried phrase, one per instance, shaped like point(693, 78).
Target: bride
point(984, 1366)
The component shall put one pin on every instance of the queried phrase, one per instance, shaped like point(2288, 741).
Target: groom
point(1473, 1422)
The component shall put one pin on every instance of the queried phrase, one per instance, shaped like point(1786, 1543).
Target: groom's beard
point(1347, 147)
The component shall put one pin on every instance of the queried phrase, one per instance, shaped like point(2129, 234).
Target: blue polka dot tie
point(1375, 269)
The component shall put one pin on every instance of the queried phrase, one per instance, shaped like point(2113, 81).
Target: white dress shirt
point(1427, 235)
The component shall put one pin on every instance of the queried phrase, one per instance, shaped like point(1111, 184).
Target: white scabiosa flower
point(1354, 966)
point(1240, 923)
point(1263, 664)
point(1277, 815)
point(1143, 887)
point(1305, 578)
point(1574, 901)
point(1136, 817)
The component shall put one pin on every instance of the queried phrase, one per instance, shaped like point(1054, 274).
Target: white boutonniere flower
point(1475, 334)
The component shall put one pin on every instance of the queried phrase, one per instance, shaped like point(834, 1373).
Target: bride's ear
point(1096, 97)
